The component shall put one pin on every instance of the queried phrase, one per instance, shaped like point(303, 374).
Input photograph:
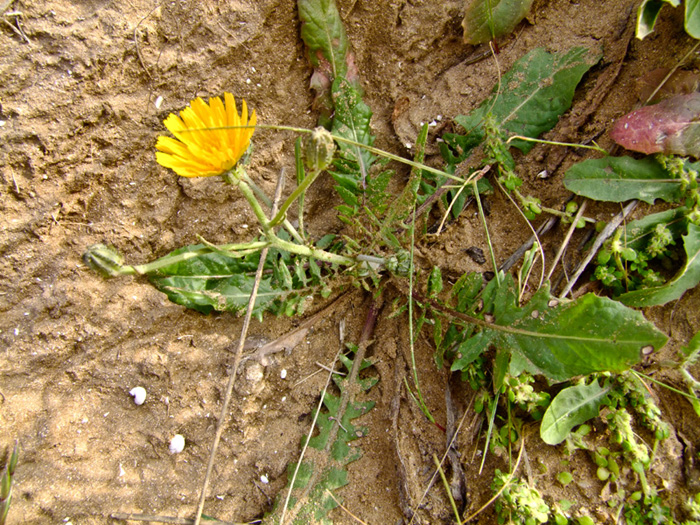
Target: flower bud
point(105, 260)
point(319, 149)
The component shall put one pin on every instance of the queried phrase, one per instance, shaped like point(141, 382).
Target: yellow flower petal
point(199, 151)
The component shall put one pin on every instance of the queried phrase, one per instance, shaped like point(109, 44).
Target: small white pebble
point(264, 479)
point(283, 373)
point(177, 444)
point(139, 394)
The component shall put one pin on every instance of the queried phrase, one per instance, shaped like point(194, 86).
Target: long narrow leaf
point(619, 179)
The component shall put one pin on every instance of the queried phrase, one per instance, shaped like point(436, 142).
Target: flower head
point(197, 151)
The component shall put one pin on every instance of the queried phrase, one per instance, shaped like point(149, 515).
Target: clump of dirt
point(84, 88)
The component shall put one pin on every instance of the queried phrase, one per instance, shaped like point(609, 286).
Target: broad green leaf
point(590, 334)
point(485, 20)
point(472, 348)
point(561, 340)
point(571, 407)
point(648, 13)
point(323, 32)
point(692, 17)
point(688, 277)
point(618, 179)
point(535, 92)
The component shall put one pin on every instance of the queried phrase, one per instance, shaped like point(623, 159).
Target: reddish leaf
point(671, 126)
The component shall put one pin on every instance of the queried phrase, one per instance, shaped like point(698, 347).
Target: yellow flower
point(199, 152)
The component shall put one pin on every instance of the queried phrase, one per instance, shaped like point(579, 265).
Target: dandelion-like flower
point(199, 151)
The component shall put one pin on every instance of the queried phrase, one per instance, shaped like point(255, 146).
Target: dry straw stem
point(358, 520)
point(602, 237)
point(236, 362)
point(564, 244)
point(167, 519)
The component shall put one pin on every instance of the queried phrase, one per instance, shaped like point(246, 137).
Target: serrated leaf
point(213, 281)
point(672, 127)
point(535, 92)
point(571, 407)
point(316, 495)
point(485, 20)
point(351, 121)
point(618, 179)
point(688, 277)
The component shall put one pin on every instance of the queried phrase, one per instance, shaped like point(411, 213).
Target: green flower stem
point(595, 146)
point(298, 192)
point(272, 239)
point(310, 251)
point(371, 149)
point(267, 202)
point(564, 215)
point(253, 201)
point(168, 260)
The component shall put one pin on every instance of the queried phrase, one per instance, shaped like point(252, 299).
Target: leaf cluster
point(633, 262)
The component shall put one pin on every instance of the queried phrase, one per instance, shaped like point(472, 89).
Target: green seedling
point(6, 484)
point(519, 502)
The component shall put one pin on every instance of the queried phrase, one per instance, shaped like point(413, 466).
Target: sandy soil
point(78, 88)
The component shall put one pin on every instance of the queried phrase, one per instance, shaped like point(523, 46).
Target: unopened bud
point(105, 260)
point(319, 149)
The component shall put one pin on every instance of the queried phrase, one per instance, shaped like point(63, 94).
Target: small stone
point(177, 444)
point(139, 394)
